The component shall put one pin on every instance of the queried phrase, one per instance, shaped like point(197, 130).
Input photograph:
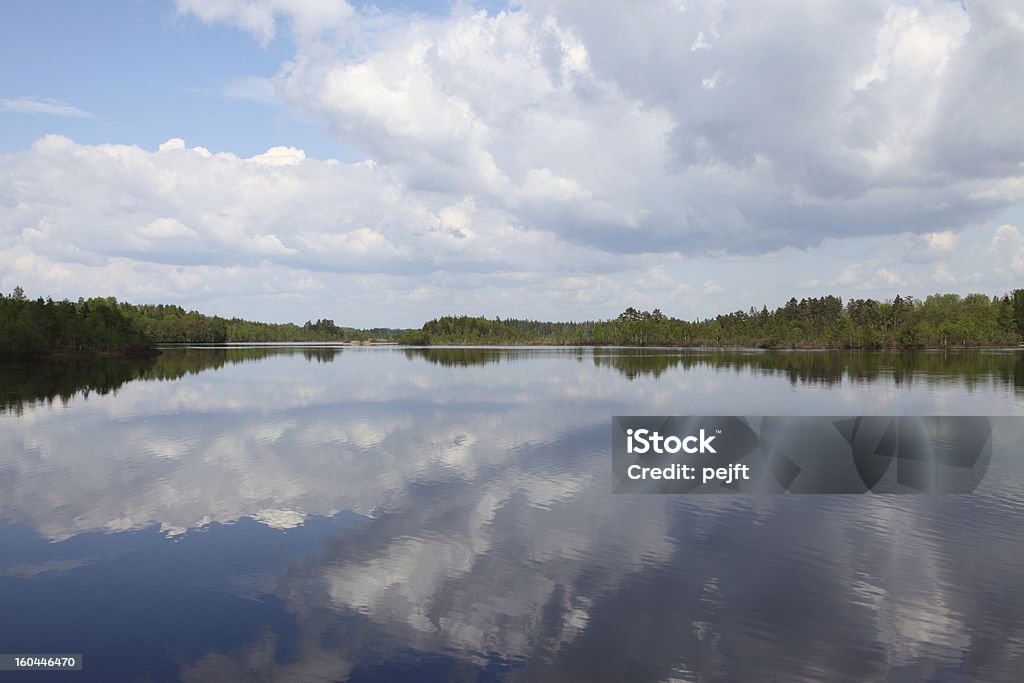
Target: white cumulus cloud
point(616, 127)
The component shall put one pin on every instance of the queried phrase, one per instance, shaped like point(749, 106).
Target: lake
point(318, 513)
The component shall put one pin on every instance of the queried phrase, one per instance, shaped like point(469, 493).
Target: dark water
point(380, 514)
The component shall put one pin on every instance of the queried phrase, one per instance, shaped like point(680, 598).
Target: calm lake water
point(386, 514)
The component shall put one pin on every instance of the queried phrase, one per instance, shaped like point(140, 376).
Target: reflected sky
point(384, 513)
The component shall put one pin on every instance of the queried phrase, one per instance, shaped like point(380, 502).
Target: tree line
point(938, 321)
point(107, 326)
point(173, 324)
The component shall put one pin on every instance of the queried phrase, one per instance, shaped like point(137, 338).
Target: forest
point(938, 321)
point(107, 326)
point(87, 327)
point(172, 324)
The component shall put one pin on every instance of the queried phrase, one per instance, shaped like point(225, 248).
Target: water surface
point(372, 514)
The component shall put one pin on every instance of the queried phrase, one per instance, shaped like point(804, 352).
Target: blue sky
point(383, 164)
point(144, 73)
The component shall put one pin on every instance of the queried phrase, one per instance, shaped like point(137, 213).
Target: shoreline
point(736, 347)
point(159, 349)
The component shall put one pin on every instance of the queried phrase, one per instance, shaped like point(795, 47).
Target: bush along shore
point(105, 326)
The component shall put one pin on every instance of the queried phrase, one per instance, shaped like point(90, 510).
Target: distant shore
point(100, 327)
point(731, 347)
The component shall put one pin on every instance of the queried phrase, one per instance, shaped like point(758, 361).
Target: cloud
point(860, 276)
point(306, 18)
point(42, 105)
point(945, 276)
point(1007, 250)
point(166, 228)
point(253, 88)
point(188, 206)
point(709, 288)
point(841, 127)
point(930, 247)
point(883, 278)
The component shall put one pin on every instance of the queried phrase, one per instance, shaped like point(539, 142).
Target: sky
point(383, 164)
